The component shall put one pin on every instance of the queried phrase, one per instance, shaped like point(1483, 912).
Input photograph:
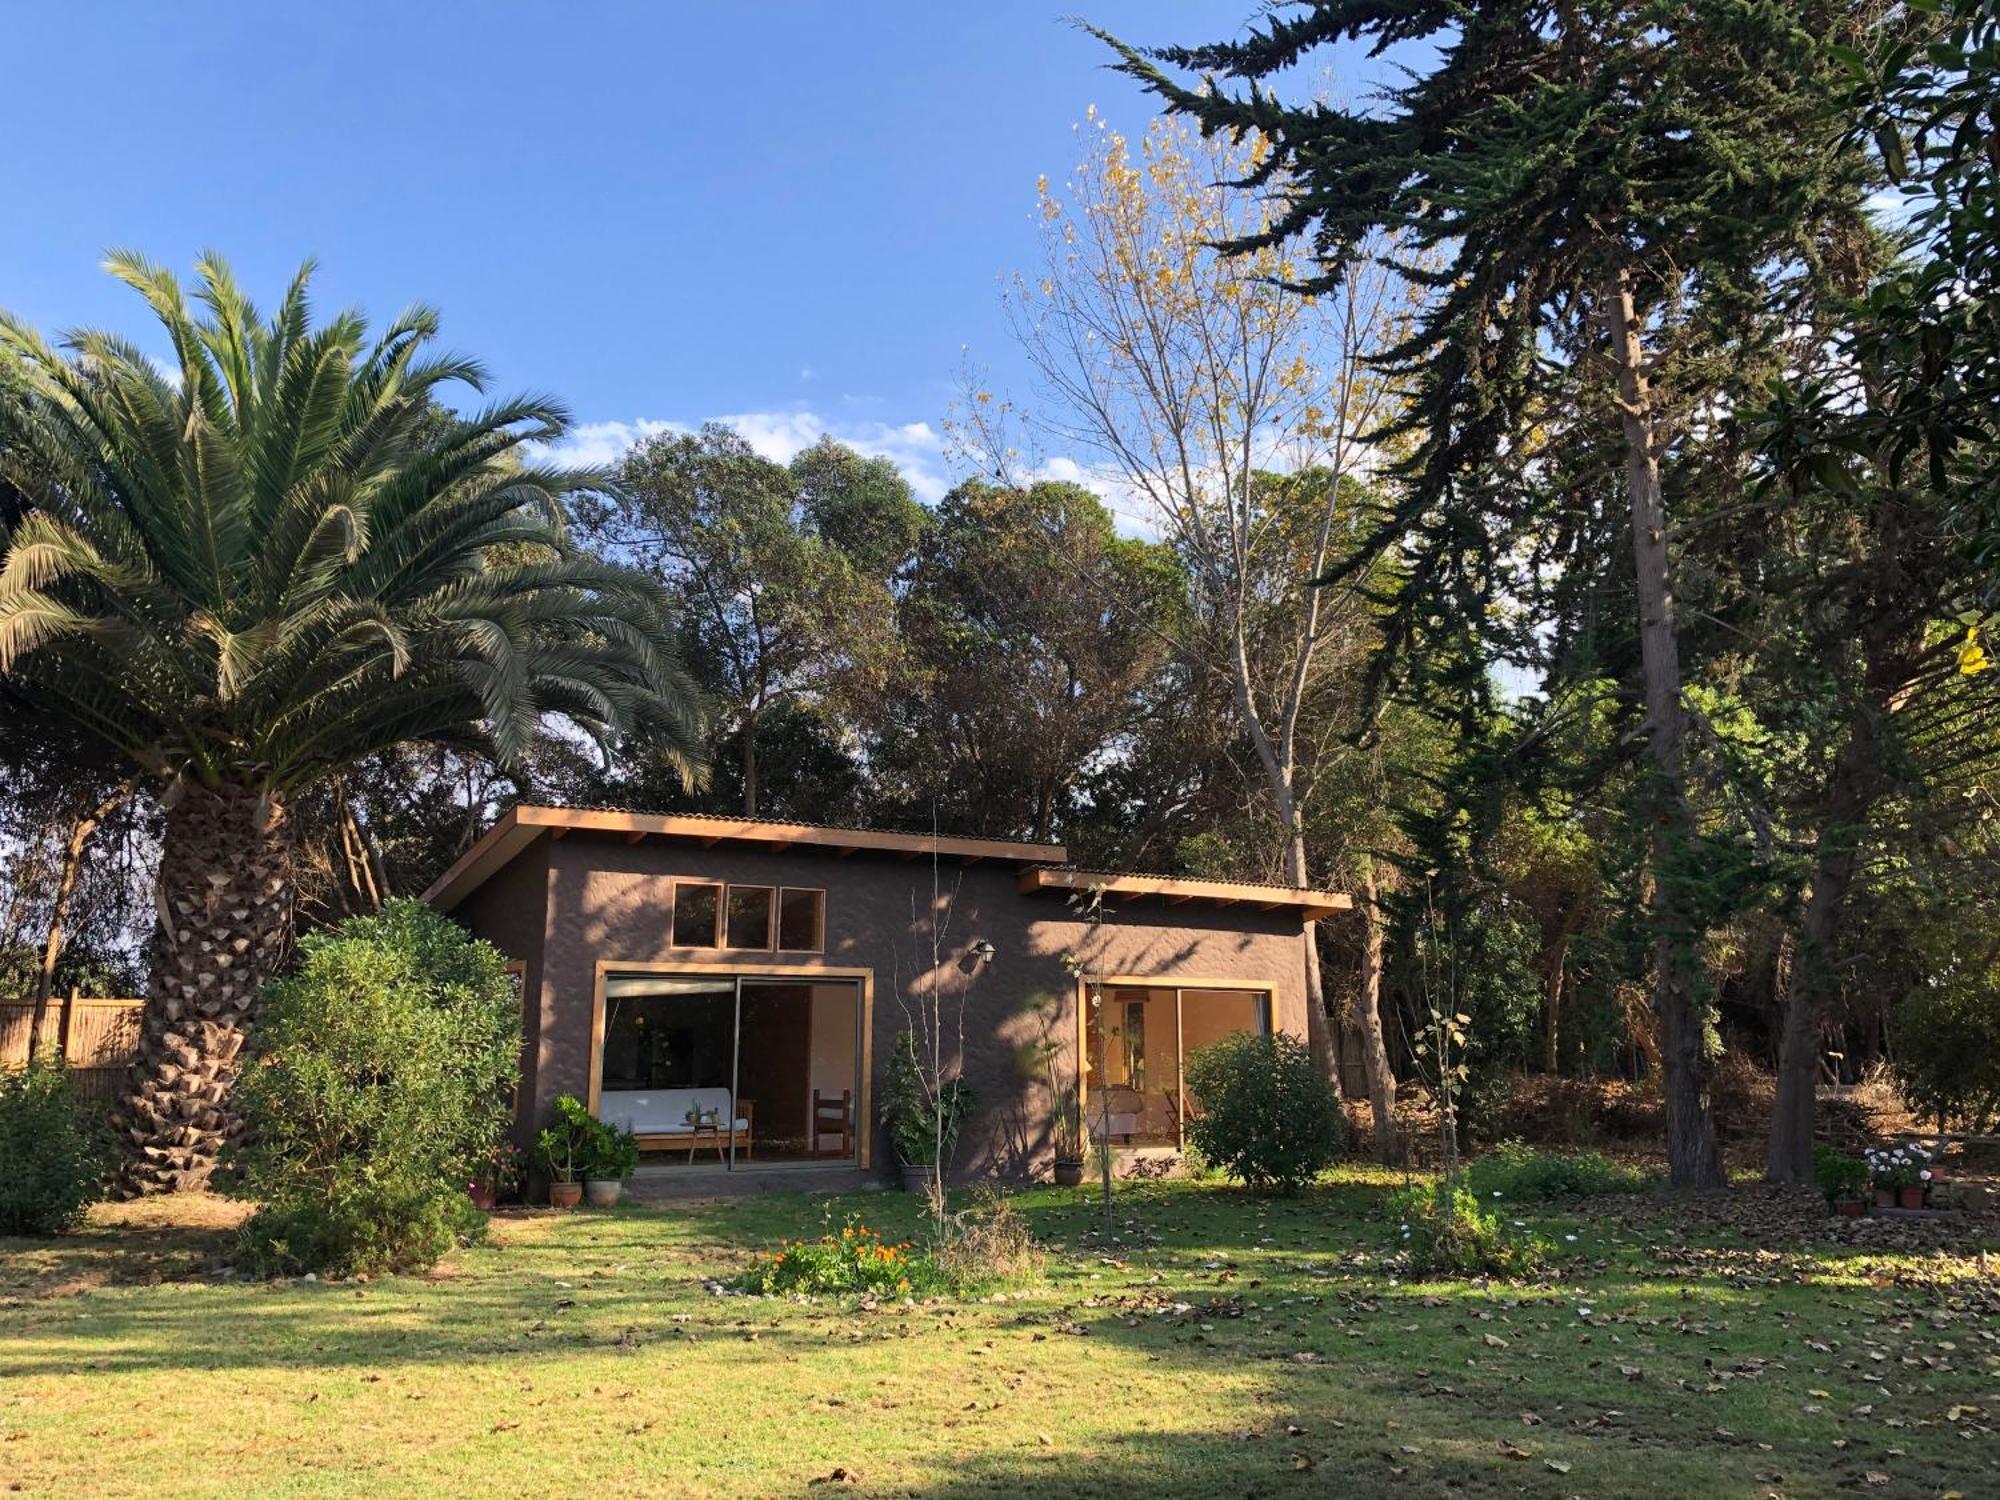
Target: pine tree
point(1605, 200)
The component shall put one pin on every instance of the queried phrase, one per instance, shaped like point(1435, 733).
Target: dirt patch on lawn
point(176, 1237)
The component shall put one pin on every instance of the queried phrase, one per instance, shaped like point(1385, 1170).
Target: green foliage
point(1840, 1176)
point(855, 1261)
point(290, 551)
point(611, 1153)
point(384, 1079)
point(564, 1145)
point(55, 1154)
point(923, 1114)
point(1267, 1116)
point(1516, 1173)
point(1948, 1048)
point(1449, 1234)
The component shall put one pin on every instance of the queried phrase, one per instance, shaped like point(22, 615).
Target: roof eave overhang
point(520, 826)
point(1309, 905)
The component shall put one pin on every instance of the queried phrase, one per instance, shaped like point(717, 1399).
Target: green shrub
point(612, 1154)
point(1514, 1172)
point(1268, 1117)
point(55, 1153)
point(563, 1148)
point(857, 1260)
point(1448, 1233)
point(1839, 1175)
point(384, 1078)
point(918, 1117)
point(1948, 1050)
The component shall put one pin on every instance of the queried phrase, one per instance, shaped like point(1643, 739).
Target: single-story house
point(733, 987)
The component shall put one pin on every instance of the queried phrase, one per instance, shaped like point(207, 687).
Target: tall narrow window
point(697, 913)
point(802, 921)
point(750, 916)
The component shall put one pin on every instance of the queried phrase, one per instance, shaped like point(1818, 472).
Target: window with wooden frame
point(749, 924)
point(801, 920)
point(697, 914)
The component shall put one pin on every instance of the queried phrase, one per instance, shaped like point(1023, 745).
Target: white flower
point(1925, 1175)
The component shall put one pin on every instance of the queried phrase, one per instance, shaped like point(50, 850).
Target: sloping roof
point(521, 825)
point(1176, 889)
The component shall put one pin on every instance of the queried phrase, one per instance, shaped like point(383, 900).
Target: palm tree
point(253, 565)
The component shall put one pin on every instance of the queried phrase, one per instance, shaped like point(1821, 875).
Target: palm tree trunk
point(1693, 1159)
point(225, 925)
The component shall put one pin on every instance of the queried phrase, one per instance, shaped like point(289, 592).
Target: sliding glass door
point(732, 1070)
point(1137, 1039)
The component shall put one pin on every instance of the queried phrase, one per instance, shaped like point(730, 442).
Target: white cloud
point(915, 448)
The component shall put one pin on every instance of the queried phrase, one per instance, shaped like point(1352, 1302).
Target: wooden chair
point(833, 1115)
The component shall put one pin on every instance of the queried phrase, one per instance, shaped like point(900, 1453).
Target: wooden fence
point(103, 1039)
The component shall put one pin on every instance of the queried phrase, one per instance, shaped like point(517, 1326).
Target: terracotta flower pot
point(1911, 1196)
point(1069, 1171)
point(1850, 1208)
point(1885, 1197)
point(565, 1194)
point(481, 1194)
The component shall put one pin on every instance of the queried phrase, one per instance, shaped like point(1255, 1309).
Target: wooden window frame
point(864, 980)
point(1179, 987)
point(721, 889)
point(770, 943)
point(778, 919)
point(772, 931)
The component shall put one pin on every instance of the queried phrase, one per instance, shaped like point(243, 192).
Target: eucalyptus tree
point(262, 562)
point(1618, 195)
point(781, 573)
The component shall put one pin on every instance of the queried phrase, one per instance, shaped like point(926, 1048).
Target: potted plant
point(1041, 1058)
point(923, 1122)
point(1844, 1180)
point(1067, 1128)
point(1899, 1175)
point(611, 1156)
point(495, 1175)
point(561, 1147)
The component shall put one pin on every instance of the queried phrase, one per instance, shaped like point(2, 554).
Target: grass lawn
point(1219, 1345)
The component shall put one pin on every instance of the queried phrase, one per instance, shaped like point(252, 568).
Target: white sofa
point(659, 1117)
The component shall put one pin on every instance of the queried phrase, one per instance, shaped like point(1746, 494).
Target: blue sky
point(792, 214)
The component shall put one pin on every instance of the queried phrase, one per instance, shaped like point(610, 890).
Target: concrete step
point(682, 1184)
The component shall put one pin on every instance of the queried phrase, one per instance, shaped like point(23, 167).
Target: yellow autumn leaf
point(1972, 657)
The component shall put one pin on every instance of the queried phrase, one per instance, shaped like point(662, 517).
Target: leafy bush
point(919, 1116)
point(578, 1144)
point(1948, 1050)
point(857, 1260)
point(384, 1079)
point(1839, 1175)
point(1449, 1234)
point(1268, 1116)
point(1514, 1172)
point(611, 1154)
point(564, 1145)
point(55, 1149)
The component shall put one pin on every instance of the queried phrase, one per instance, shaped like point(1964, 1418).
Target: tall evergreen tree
point(1606, 194)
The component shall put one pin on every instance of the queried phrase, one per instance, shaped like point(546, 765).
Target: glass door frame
point(864, 1013)
point(1179, 988)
